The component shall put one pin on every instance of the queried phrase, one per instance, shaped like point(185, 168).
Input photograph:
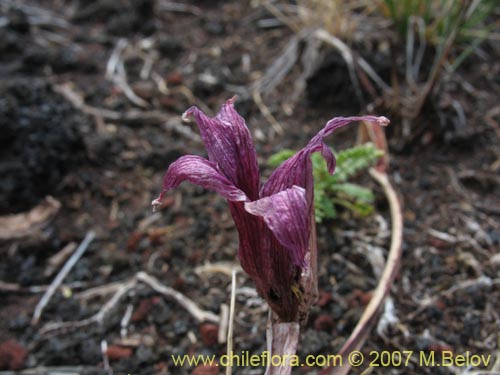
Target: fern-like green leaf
point(355, 159)
point(335, 190)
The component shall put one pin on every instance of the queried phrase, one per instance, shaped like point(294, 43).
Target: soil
point(105, 169)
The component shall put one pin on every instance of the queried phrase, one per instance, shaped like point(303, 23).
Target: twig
point(114, 59)
point(280, 66)
point(266, 112)
point(276, 12)
point(37, 15)
point(100, 290)
point(120, 79)
point(105, 358)
point(28, 224)
point(35, 289)
point(170, 6)
point(57, 259)
point(347, 55)
point(230, 330)
point(226, 268)
point(351, 59)
point(125, 320)
point(121, 289)
point(61, 275)
point(199, 314)
point(224, 321)
point(368, 319)
point(124, 289)
point(132, 116)
point(96, 318)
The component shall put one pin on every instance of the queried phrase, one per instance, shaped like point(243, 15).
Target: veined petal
point(287, 216)
point(297, 170)
point(201, 172)
point(229, 144)
point(267, 262)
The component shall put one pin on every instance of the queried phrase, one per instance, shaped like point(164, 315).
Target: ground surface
point(105, 168)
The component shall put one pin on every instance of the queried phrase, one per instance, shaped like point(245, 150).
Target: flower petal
point(286, 214)
point(267, 262)
point(297, 170)
point(201, 172)
point(229, 144)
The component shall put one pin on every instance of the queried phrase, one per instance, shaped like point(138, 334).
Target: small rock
point(174, 79)
point(144, 355)
point(180, 327)
point(324, 322)
point(324, 298)
point(134, 240)
point(145, 89)
point(116, 352)
point(215, 27)
point(206, 370)
point(142, 311)
point(209, 333)
point(12, 355)
point(359, 298)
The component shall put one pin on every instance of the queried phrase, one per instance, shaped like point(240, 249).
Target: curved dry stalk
point(368, 319)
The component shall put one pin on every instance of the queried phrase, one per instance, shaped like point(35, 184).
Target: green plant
point(444, 24)
point(332, 190)
point(442, 17)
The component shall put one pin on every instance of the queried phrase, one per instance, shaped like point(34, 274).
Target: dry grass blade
point(60, 276)
point(280, 67)
point(267, 113)
point(230, 330)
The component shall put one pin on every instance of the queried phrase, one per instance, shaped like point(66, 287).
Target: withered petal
point(229, 144)
point(297, 170)
point(286, 214)
point(201, 172)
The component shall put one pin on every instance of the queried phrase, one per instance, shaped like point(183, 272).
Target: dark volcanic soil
point(104, 163)
point(41, 141)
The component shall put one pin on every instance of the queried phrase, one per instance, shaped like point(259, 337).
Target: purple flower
point(275, 220)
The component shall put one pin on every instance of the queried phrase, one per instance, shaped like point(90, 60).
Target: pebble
point(209, 334)
point(206, 370)
point(324, 298)
point(324, 322)
point(174, 78)
point(143, 310)
point(116, 352)
point(12, 355)
point(180, 327)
